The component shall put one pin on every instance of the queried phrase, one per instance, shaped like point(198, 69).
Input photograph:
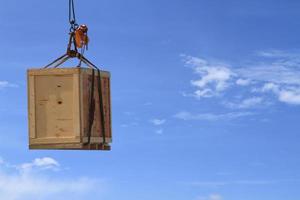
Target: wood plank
point(31, 107)
point(98, 147)
point(71, 146)
point(49, 140)
point(54, 71)
point(82, 125)
point(54, 106)
point(76, 105)
point(86, 85)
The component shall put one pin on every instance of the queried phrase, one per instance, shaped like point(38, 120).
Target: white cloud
point(243, 82)
point(6, 84)
point(214, 77)
point(290, 95)
point(204, 93)
point(270, 87)
point(158, 122)
point(273, 53)
point(18, 186)
point(210, 197)
point(246, 103)
point(210, 116)
point(218, 76)
point(215, 197)
point(17, 183)
point(278, 72)
point(41, 163)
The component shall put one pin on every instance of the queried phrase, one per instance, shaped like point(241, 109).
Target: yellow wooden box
point(58, 109)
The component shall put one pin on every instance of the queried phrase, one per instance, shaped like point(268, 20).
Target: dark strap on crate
point(91, 108)
point(101, 106)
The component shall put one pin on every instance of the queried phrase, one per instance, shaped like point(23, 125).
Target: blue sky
point(205, 95)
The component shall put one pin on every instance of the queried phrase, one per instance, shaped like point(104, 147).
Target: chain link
point(72, 16)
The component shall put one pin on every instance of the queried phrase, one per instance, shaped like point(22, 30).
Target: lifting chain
point(72, 16)
point(78, 35)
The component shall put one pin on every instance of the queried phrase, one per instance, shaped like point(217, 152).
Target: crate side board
point(110, 112)
point(54, 106)
point(71, 70)
point(86, 89)
point(54, 71)
point(76, 106)
point(70, 147)
point(31, 106)
point(65, 140)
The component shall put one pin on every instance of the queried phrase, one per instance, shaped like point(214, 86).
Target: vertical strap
point(91, 108)
point(101, 108)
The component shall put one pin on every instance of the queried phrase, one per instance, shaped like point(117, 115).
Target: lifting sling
point(79, 39)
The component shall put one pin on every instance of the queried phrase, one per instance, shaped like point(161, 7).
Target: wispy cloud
point(132, 124)
point(184, 115)
point(245, 103)
point(41, 163)
point(289, 95)
point(210, 197)
point(214, 76)
point(278, 68)
point(158, 122)
point(278, 72)
point(38, 183)
point(243, 82)
point(6, 84)
point(275, 53)
point(239, 182)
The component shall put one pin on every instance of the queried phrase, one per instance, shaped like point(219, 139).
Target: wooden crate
point(58, 109)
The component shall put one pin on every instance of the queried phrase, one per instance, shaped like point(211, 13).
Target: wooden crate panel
point(54, 106)
point(58, 102)
point(105, 88)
